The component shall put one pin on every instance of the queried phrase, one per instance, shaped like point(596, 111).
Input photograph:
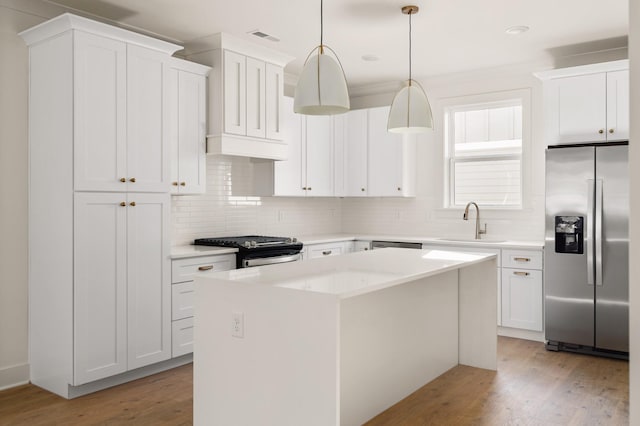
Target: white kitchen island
point(337, 340)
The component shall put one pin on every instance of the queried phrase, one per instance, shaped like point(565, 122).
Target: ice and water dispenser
point(569, 234)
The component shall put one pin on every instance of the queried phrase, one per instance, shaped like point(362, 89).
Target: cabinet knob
point(611, 130)
point(132, 180)
point(132, 204)
point(601, 131)
point(304, 188)
point(123, 204)
point(123, 180)
point(520, 273)
point(399, 189)
point(309, 188)
point(174, 183)
point(326, 252)
point(183, 183)
point(362, 189)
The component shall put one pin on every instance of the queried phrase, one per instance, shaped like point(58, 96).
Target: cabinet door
point(288, 174)
point(385, 156)
point(522, 299)
point(148, 279)
point(256, 98)
point(273, 96)
point(100, 135)
point(191, 133)
point(618, 105)
point(100, 286)
point(234, 93)
point(147, 146)
point(581, 108)
point(356, 153)
point(319, 155)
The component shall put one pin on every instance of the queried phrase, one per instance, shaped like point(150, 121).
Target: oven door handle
point(270, 260)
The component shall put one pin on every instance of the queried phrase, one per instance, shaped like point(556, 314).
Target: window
point(484, 153)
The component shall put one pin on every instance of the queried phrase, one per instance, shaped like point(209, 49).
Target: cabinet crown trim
point(583, 69)
point(69, 21)
point(228, 42)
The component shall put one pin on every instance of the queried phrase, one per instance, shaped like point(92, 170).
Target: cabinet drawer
point(321, 250)
point(182, 300)
point(183, 269)
point(522, 259)
point(181, 337)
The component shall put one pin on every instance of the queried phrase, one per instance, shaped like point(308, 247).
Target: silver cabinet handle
point(521, 273)
point(326, 253)
point(522, 259)
point(205, 268)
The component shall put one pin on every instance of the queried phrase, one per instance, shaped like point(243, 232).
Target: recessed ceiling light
point(517, 29)
point(369, 58)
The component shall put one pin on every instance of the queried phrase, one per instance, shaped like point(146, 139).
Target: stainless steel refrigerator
point(586, 263)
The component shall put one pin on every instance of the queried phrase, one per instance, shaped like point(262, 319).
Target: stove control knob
point(254, 244)
point(247, 244)
point(295, 240)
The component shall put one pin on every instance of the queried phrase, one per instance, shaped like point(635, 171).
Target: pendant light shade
point(410, 111)
point(322, 86)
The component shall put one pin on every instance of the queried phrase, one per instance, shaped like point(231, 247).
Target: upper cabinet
point(377, 163)
point(245, 97)
point(186, 121)
point(109, 85)
point(587, 104)
point(310, 167)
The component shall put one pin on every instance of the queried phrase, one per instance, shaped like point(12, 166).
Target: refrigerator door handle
point(598, 231)
point(589, 234)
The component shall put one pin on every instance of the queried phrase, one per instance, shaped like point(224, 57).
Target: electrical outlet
point(237, 324)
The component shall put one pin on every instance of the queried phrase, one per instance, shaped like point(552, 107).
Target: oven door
point(260, 261)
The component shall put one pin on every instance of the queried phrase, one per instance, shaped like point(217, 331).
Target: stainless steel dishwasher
point(399, 244)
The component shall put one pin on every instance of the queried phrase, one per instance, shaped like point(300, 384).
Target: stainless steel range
point(256, 250)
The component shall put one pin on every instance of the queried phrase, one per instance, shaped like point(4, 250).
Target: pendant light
point(322, 87)
point(410, 111)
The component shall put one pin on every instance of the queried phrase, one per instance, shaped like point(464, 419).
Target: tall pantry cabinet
point(99, 204)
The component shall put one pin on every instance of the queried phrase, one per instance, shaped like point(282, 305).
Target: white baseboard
point(14, 375)
point(537, 336)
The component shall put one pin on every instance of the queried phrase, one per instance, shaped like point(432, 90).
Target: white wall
point(634, 254)
point(15, 16)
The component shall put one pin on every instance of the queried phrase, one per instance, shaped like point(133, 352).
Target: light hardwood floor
point(532, 387)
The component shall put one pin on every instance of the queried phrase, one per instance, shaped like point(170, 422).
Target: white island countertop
point(356, 273)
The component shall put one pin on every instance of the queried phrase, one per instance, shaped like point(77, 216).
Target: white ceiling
point(448, 35)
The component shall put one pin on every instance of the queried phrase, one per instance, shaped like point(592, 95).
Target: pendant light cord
point(321, 27)
point(410, 48)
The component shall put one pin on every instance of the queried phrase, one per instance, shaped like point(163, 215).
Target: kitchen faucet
point(465, 216)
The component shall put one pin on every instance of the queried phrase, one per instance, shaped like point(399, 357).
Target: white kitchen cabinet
point(522, 289)
point(118, 116)
point(185, 97)
point(585, 104)
point(378, 163)
point(245, 97)
point(318, 154)
point(337, 248)
point(356, 153)
point(182, 293)
point(99, 288)
point(362, 245)
point(309, 170)
point(121, 286)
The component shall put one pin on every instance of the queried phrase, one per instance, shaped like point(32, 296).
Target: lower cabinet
point(182, 292)
point(312, 251)
point(122, 294)
point(522, 289)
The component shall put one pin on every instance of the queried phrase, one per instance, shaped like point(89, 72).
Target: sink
point(470, 240)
